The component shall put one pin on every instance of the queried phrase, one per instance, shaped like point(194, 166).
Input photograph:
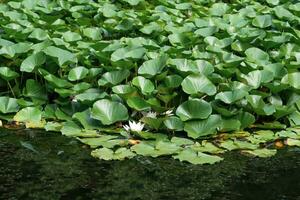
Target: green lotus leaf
point(123, 89)
point(90, 95)
point(77, 73)
point(145, 85)
point(259, 106)
point(194, 84)
point(173, 81)
point(154, 123)
point(174, 123)
point(108, 141)
point(14, 49)
point(155, 150)
point(246, 119)
point(58, 82)
point(71, 36)
point(109, 112)
point(85, 119)
point(151, 27)
point(262, 153)
point(218, 9)
point(80, 87)
point(93, 33)
point(293, 142)
point(153, 67)
point(194, 109)
point(197, 157)
point(71, 129)
point(33, 61)
point(53, 126)
point(229, 125)
point(273, 2)
point(283, 13)
point(207, 31)
point(231, 96)
point(292, 79)
point(256, 55)
point(128, 52)
point(198, 128)
point(138, 103)
point(8, 105)
point(39, 34)
point(257, 77)
point(113, 77)
point(262, 21)
point(8, 74)
point(206, 147)
point(179, 141)
point(62, 55)
point(108, 154)
point(34, 90)
point(29, 114)
point(179, 39)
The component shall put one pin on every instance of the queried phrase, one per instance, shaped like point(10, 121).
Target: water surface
point(42, 165)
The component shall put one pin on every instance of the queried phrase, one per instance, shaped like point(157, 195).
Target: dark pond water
point(40, 165)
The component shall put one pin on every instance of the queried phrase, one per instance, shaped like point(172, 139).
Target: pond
point(44, 165)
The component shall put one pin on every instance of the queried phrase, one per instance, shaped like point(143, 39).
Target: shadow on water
point(41, 165)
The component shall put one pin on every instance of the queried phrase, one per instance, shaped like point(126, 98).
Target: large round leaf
point(194, 109)
point(109, 112)
point(197, 83)
point(198, 128)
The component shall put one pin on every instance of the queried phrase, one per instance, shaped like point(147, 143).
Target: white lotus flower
point(149, 114)
point(169, 113)
point(134, 126)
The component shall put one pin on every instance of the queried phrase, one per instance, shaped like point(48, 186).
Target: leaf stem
point(12, 91)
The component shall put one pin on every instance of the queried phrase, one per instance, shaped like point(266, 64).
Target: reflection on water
point(41, 165)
